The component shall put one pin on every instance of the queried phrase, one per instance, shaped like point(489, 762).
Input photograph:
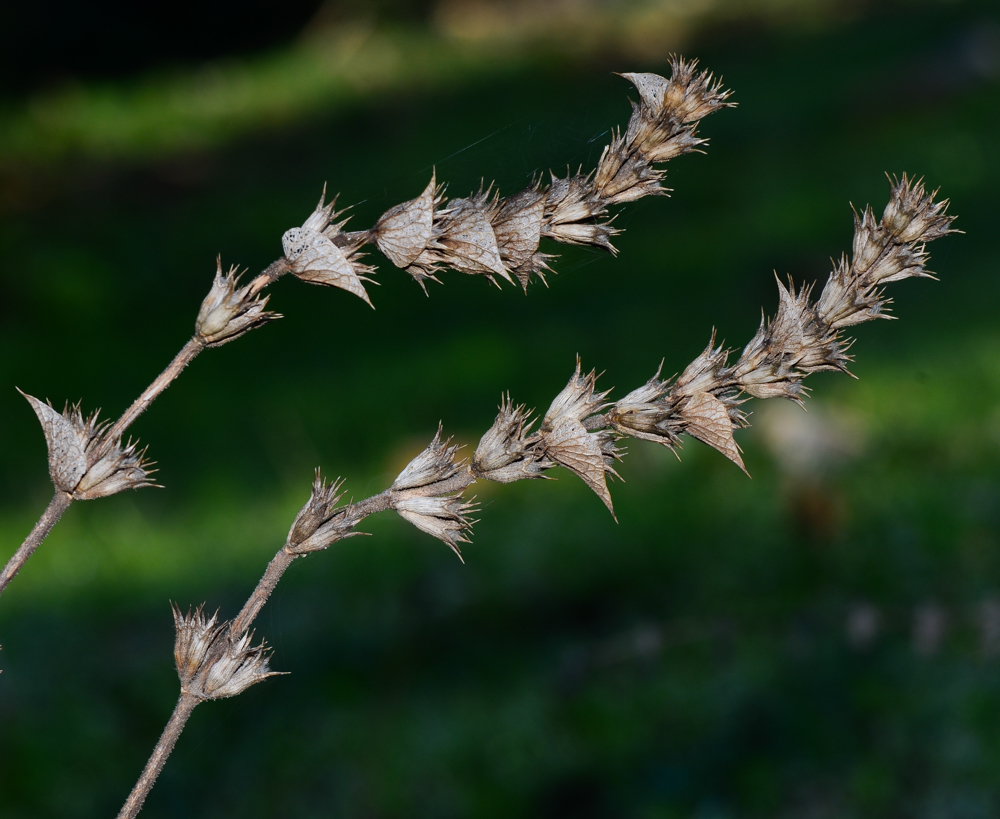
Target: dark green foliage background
point(691, 660)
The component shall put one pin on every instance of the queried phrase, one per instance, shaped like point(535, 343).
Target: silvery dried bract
point(518, 229)
point(320, 253)
point(645, 414)
point(210, 663)
point(446, 517)
point(435, 464)
point(707, 418)
point(565, 440)
point(320, 522)
point(505, 454)
point(82, 464)
point(229, 311)
point(577, 399)
point(403, 232)
point(467, 241)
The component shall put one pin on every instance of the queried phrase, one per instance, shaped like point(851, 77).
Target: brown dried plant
point(499, 238)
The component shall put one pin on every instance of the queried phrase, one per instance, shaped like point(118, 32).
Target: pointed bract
point(404, 231)
point(446, 517)
point(81, 463)
point(316, 258)
point(435, 464)
point(229, 311)
point(505, 453)
point(320, 522)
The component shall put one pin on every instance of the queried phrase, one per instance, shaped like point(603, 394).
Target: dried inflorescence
point(321, 522)
point(83, 462)
point(230, 311)
point(804, 336)
point(498, 238)
point(211, 662)
point(428, 493)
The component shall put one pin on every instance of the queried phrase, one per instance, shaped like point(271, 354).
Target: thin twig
point(60, 503)
point(185, 705)
point(163, 380)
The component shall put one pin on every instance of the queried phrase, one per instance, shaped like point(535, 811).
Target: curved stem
point(185, 705)
point(60, 503)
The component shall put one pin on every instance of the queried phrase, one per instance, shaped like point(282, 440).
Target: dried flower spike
point(228, 311)
point(81, 462)
point(211, 664)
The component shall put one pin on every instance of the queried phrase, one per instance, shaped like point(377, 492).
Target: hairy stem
point(275, 569)
point(163, 380)
point(185, 705)
point(60, 503)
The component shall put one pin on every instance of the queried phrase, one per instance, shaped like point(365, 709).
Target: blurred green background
point(820, 641)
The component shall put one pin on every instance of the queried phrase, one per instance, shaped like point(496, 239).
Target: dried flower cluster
point(83, 462)
point(211, 662)
point(486, 235)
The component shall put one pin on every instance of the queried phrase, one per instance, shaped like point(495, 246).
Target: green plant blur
point(822, 640)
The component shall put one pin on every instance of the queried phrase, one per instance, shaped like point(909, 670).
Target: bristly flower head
point(437, 463)
point(319, 252)
point(428, 493)
point(445, 517)
point(229, 311)
point(564, 439)
point(211, 663)
point(320, 522)
point(81, 462)
point(506, 453)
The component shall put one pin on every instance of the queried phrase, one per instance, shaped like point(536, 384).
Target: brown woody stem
point(185, 705)
point(60, 503)
point(163, 380)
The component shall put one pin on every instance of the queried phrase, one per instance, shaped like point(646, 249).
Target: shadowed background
point(823, 640)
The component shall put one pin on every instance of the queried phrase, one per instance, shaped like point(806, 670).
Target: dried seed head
point(212, 664)
point(646, 413)
point(446, 517)
point(504, 453)
point(468, 242)
point(564, 439)
point(195, 636)
point(320, 523)
point(314, 257)
point(518, 229)
point(81, 462)
point(403, 232)
point(570, 207)
point(437, 463)
point(577, 399)
point(229, 311)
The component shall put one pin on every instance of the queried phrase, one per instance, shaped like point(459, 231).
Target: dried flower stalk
point(482, 235)
point(579, 431)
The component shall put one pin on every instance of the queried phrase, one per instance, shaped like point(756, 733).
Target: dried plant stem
point(60, 503)
point(275, 569)
point(185, 705)
point(163, 380)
